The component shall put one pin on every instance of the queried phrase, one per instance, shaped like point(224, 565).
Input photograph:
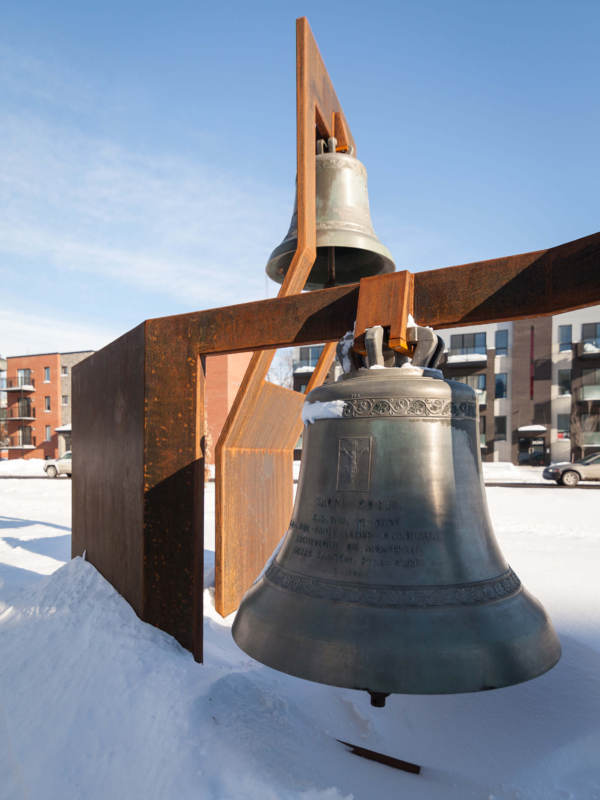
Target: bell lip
point(280, 254)
point(294, 644)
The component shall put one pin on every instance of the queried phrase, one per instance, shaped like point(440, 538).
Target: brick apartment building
point(537, 383)
point(35, 401)
point(35, 408)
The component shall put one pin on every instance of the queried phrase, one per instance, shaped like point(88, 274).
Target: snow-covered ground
point(95, 704)
point(493, 472)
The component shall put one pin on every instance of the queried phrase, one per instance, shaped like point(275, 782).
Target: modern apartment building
point(538, 384)
point(37, 415)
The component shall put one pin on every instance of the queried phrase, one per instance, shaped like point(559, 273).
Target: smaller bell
point(347, 246)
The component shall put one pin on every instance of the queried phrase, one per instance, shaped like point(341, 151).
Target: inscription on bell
point(354, 463)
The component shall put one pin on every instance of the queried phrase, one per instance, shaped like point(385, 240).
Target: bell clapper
point(378, 698)
point(330, 267)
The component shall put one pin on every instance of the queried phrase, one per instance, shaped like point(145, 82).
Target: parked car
point(58, 466)
point(570, 473)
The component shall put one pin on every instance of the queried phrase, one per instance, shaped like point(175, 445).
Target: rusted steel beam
point(385, 300)
point(563, 278)
point(251, 509)
point(535, 284)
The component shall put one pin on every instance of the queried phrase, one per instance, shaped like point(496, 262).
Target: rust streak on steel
point(257, 433)
point(469, 294)
point(527, 285)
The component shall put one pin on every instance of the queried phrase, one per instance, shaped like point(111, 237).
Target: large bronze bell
point(347, 247)
point(390, 578)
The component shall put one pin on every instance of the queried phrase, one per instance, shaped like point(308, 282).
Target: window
point(467, 343)
point(500, 429)
point(590, 377)
point(25, 436)
point(501, 384)
point(590, 423)
point(476, 382)
point(47, 403)
point(46, 374)
point(564, 381)
point(64, 370)
point(65, 399)
point(24, 408)
point(501, 342)
point(565, 337)
point(308, 356)
point(48, 432)
point(590, 335)
point(563, 424)
point(24, 377)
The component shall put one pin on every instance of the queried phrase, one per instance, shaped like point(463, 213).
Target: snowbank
point(505, 472)
point(22, 466)
point(96, 704)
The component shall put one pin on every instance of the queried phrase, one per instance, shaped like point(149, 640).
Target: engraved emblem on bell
point(390, 578)
point(354, 464)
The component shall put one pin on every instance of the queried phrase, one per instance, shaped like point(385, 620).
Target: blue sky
point(147, 150)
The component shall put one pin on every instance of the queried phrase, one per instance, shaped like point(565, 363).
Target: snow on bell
point(347, 246)
point(390, 578)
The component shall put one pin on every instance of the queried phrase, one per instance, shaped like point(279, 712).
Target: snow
point(303, 369)
point(344, 347)
point(506, 472)
point(332, 409)
point(95, 703)
point(588, 347)
point(466, 357)
point(22, 466)
point(532, 428)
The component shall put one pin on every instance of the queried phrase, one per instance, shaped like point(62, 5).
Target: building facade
point(37, 416)
point(537, 382)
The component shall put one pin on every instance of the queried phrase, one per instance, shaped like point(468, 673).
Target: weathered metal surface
point(138, 493)
point(385, 300)
point(174, 482)
point(250, 509)
point(469, 294)
point(389, 578)
point(108, 462)
point(514, 287)
point(381, 758)
point(347, 246)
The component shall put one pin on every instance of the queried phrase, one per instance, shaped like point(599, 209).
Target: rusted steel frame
point(240, 532)
point(469, 294)
point(551, 281)
point(385, 300)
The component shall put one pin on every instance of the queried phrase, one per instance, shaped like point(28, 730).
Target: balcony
point(19, 442)
point(589, 348)
point(482, 442)
point(304, 365)
point(20, 384)
point(18, 413)
point(481, 397)
point(467, 355)
point(589, 392)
